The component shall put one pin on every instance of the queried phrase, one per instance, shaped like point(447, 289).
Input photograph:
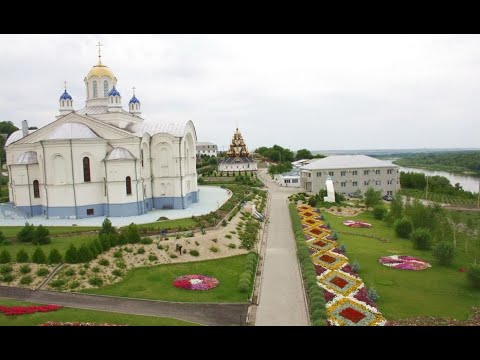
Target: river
point(468, 182)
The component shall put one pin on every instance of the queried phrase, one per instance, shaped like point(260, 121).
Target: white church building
point(102, 160)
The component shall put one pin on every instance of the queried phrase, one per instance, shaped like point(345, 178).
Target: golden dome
point(100, 70)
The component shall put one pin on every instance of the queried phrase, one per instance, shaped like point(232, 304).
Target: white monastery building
point(102, 160)
point(350, 174)
point(207, 148)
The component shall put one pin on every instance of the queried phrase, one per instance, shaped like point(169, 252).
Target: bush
point(93, 249)
point(57, 283)
point(84, 254)
point(95, 281)
point(41, 236)
point(372, 197)
point(312, 201)
point(8, 278)
point(372, 294)
point(473, 275)
point(5, 257)
point(133, 235)
point(5, 269)
point(71, 255)
point(54, 257)
point(117, 254)
point(213, 249)
point(26, 280)
point(107, 227)
point(22, 256)
point(70, 272)
point(82, 272)
point(96, 270)
point(343, 248)
point(42, 272)
point(379, 212)
point(141, 251)
point(194, 252)
point(422, 239)
point(152, 257)
point(173, 256)
point(38, 256)
point(356, 267)
point(117, 273)
point(444, 252)
point(26, 234)
point(244, 285)
point(319, 314)
point(146, 241)
point(120, 264)
point(74, 285)
point(232, 246)
point(320, 322)
point(103, 262)
point(403, 228)
point(25, 269)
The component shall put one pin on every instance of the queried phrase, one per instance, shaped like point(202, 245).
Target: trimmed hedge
point(316, 300)
point(247, 277)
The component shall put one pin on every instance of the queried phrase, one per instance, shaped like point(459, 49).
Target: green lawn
point(12, 231)
point(169, 224)
point(60, 243)
point(80, 315)
point(437, 291)
point(156, 282)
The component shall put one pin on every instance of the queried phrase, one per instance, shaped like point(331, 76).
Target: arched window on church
point(36, 189)
point(95, 90)
point(128, 183)
point(141, 157)
point(105, 88)
point(86, 169)
point(63, 103)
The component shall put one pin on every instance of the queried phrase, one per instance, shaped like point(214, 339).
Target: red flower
point(22, 310)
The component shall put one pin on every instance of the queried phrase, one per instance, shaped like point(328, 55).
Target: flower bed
point(357, 224)
point(56, 323)
point(195, 282)
point(404, 262)
point(22, 310)
point(345, 294)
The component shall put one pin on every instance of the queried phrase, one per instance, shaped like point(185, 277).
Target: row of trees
point(436, 184)
point(459, 161)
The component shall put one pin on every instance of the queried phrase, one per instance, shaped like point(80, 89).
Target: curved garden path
point(201, 313)
point(282, 297)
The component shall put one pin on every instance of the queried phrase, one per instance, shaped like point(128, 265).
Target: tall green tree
point(303, 154)
point(372, 197)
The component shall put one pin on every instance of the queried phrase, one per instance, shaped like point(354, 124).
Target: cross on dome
point(99, 53)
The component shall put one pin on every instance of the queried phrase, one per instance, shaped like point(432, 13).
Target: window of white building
point(330, 173)
point(366, 172)
point(343, 184)
point(378, 182)
point(343, 173)
point(354, 172)
point(355, 183)
point(319, 174)
point(377, 172)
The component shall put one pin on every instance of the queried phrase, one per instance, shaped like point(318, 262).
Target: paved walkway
point(206, 314)
point(282, 298)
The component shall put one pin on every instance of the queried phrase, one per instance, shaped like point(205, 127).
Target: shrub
point(160, 247)
point(84, 254)
point(107, 227)
point(70, 272)
point(319, 322)
point(422, 239)
point(98, 246)
point(120, 264)
point(173, 256)
point(194, 252)
point(93, 249)
point(57, 283)
point(95, 281)
point(25, 269)
point(197, 243)
point(74, 285)
point(22, 256)
point(356, 267)
point(379, 212)
point(444, 252)
point(319, 314)
point(213, 249)
point(152, 257)
point(146, 241)
point(8, 278)
point(103, 262)
point(133, 235)
point(82, 272)
point(117, 254)
point(141, 251)
point(26, 280)
point(71, 255)
point(232, 246)
point(41, 236)
point(42, 272)
point(372, 294)
point(96, 270)
point(38, 256)
point(5, 269)
point(403, 228)
point(343, 248)
point(244, 285)
point(224, 223)
point(228, 236)
point(105, 241)
point(54, 257)
point(26, 233)
point(312, 201)
point(5, 257)
point(473, 275)
point(117, 273)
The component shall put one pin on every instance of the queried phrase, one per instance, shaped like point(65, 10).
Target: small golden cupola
point(237, 146)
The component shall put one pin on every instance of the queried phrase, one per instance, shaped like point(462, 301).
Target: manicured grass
point(169, 224)
point(438, 291)
point(12, 231)
point(60, 243)
point(157, 282)
point(80, 315)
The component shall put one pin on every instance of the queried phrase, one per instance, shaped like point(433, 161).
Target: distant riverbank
point(405, 162)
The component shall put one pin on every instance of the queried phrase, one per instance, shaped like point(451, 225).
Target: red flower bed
point(362, 296)
point(352, 315)
point(22, 310)
point(339, 282)
point(327, 258)
point(319, 269)
point(328, 295)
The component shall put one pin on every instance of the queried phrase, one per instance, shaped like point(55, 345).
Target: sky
point(299, 91)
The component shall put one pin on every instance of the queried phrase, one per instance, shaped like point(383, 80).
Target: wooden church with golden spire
point(238, 158)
